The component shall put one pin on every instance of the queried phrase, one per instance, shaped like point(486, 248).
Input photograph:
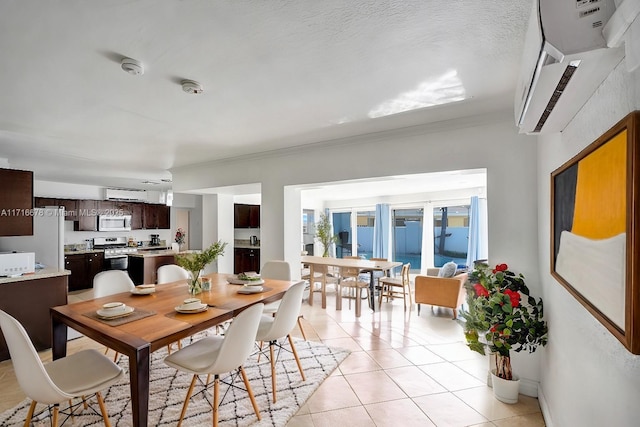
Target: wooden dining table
point(162, 325)
point(364, 265)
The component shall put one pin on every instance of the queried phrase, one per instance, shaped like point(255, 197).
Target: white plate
point(107, 314)
point(250, 290)
point(236, 281)
point(143, 291)
point(202, 308)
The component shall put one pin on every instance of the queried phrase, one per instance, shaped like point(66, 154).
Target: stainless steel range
point(115, 251)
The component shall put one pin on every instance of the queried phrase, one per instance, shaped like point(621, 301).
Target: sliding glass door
point(342, 228)
point(407, 236)
point(451, 235)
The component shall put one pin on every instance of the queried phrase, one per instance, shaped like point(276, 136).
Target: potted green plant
point(502, 316)
point(194, 262)
point(323, 234)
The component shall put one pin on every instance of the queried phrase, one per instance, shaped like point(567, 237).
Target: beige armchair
point(441, 291)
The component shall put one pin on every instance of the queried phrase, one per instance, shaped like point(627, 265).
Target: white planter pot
point(505, 390)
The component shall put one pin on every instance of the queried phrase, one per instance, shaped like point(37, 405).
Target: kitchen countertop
point(83, 251)
point(159, 252)
point(245, 246)
point(39, 274)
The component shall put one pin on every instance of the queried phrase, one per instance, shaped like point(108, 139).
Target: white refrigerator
point(47, 241)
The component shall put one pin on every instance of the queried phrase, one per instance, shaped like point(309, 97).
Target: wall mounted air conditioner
point(565, 59)
point(126, 195)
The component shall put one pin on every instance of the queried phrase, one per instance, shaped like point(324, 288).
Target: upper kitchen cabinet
point(136, 210)
point(246, 216)
point(16, 202)
point(87, 216)
point(156, 216)
point(70, 206)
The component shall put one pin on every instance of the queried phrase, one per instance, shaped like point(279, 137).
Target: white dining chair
point(215, 355)
point(273, 328)
point(81, 374)
point(172, 273)
point(279, 270)
point(111, 282)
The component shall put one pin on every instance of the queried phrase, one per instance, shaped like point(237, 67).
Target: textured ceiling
point(275, 74)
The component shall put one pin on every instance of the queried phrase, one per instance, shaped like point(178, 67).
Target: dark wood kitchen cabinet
point(16, 202)
point(246, 216)
point(29, 300)
point(156, 216)
point(87, 216)
point(246, 259)
point(83, 269)
point(137, 214)
point(70, 206)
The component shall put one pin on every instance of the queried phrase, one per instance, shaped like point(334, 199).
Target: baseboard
point(528, 387)
point(544, 407)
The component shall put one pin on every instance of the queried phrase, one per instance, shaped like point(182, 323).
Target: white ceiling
point(276, 73)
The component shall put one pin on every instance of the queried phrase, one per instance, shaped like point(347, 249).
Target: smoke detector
point(191, 86)
point(132, 66)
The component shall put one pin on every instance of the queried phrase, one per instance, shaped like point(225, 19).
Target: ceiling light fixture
point(132, 66)
point(191, 86)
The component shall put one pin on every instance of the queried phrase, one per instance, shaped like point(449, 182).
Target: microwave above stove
point(114, 223)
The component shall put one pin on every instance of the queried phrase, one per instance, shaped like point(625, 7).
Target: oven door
point(117, 263)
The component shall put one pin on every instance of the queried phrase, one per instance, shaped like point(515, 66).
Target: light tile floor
point(404, 369)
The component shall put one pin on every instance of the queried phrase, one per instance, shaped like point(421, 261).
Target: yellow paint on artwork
point(600, 206)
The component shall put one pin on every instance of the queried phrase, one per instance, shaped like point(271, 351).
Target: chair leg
point(32, 408)
point(380, 295)
point(260, 351)
point(103, 409)
point(56, 409)
point(273, 371)
point(186, 400)
point(216, 397)
point(301, 329)
point(251, 397)
point(295, 354)
point(418, 309)
point(455, 313)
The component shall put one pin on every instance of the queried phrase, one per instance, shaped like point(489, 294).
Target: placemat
point(136, 315)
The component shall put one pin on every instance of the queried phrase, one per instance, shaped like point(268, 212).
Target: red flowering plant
point(501, 315)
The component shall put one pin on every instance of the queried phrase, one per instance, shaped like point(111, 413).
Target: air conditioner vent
point(562, 84)
point(125, 195)
point(565, 59)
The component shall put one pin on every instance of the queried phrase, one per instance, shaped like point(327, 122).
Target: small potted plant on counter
point(195, 262)
point(180, 238)
point(502, 316)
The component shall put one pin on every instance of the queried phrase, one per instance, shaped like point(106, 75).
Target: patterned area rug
point(168, 389)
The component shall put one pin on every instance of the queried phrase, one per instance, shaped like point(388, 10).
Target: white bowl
point(191, 304)
point(113, 307)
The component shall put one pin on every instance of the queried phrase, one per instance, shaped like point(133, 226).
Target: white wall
point(589, 378)
point(490, 141)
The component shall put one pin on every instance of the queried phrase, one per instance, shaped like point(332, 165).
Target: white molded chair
point(172, 273)
point(111, 282)
point(81, 374)
point(279, 270)
point(218, 355)
point(272, 328)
